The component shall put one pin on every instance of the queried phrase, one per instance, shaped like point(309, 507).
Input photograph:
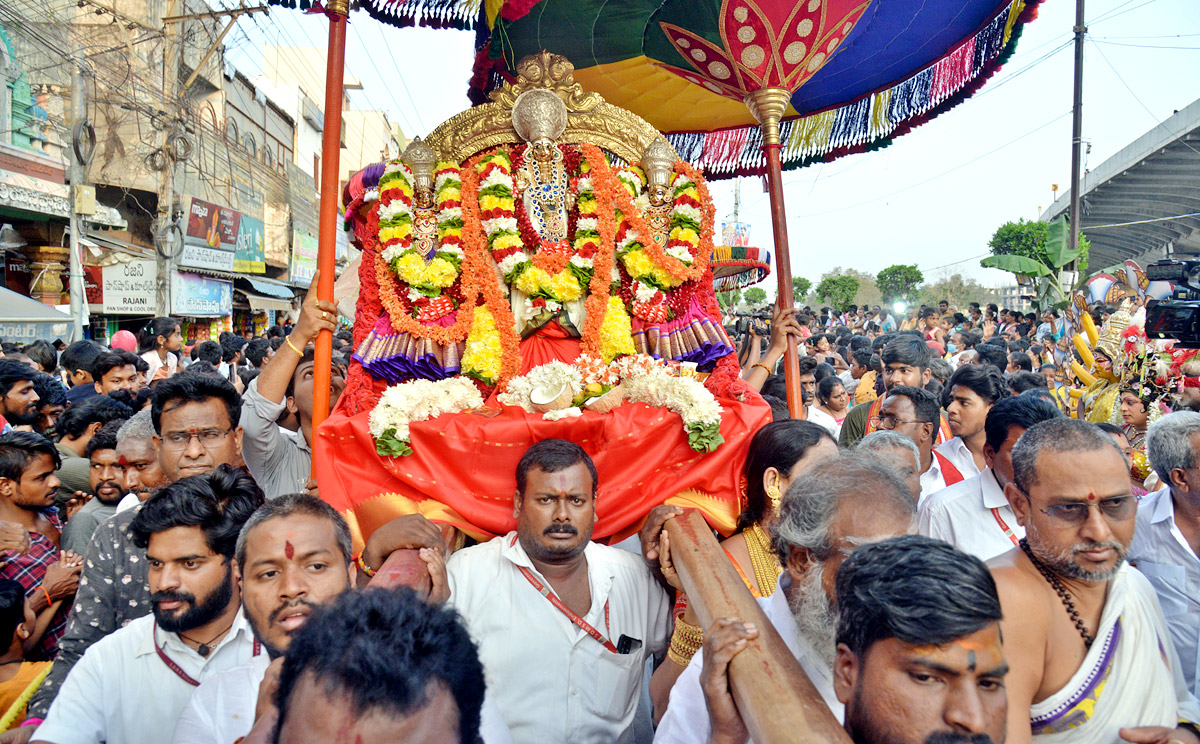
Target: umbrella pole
point(331, 139)
point(768, 105)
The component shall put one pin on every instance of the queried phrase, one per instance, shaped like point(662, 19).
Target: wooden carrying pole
point(768, 105)
point(331, 143)
point(774, 696)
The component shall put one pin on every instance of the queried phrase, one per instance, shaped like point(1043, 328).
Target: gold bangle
point(288, 340)
point(760, 364)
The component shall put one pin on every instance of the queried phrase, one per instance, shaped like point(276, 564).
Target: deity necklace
point(1063, 594)
point(548, 194)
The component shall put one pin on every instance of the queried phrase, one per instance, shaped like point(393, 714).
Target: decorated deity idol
point(537, 267)
point(417, 223)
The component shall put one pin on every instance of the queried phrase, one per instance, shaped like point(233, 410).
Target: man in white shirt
point(974, 515)
point(973, 390)
point(1167, 536)
point(130, 687)
point(564, 625)
point(293, 555)
point(920, 658)
point(914, 412)
point(858, 500)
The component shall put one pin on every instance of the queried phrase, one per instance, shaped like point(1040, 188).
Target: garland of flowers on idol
point(607, 333)
point(491, 354)
point(643, 379)
point(427, 290)
point(549, 273)
point(657, 271)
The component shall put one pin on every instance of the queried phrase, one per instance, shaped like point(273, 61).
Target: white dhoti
point(1130, 677)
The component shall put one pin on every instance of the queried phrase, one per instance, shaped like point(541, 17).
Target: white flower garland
point(405, 404)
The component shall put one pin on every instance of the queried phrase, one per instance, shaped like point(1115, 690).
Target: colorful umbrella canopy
point(737, 266)
point(860, 72)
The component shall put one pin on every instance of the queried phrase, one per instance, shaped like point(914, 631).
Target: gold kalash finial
point(590, 118)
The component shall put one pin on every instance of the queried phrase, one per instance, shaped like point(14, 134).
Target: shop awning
point(24, 319)
point(258, 303)
point(36, 197)
point(269, 288)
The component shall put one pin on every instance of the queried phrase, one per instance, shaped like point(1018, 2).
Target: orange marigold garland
point(605, 187)
point(477, 270)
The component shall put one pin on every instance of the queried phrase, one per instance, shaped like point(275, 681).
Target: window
point(231, 129)
point(250, 145)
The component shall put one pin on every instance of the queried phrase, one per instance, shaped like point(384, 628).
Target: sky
point(934, 197)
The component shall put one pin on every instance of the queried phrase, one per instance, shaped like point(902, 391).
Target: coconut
point(550, 397)
point(608, 401)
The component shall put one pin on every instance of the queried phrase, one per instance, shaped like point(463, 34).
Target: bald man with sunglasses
point(1091, 656)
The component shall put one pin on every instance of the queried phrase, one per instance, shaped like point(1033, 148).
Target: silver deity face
point(658, 162)
point(543, 150)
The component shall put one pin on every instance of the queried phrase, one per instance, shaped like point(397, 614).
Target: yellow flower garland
point(563, 286)
point(412, 269)
point(483, 353)
point(616, 332)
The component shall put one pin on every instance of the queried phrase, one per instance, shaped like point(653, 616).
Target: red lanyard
point(175, 667)
point(571, 614)
point(1004, 526)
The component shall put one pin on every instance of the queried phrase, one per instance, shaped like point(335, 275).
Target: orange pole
point(783, 266)
point(331, 140)
point(768, 105)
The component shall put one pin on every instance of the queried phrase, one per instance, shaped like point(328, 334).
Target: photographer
point(783, 324)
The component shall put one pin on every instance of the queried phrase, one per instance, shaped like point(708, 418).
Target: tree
point(899, 282)
point(838, 291)
point(755, 296)
point(800, 287)
point(1038, 251)
point(958, 291)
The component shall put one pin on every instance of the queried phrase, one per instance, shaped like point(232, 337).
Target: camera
point(1179, 316)
point(760, 321)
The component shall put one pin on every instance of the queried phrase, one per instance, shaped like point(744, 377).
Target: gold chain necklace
point(762, 559)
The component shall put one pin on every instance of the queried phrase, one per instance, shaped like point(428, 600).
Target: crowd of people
point(949, 554)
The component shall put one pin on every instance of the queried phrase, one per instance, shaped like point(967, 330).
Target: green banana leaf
point(1058, 250)
point(1016, 265)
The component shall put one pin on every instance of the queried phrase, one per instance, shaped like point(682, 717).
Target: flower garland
point(476, 245)
point(605, 187)
point(691, 226)
point(554, 272)
point(405, 404)
point(643, 379)
point(428, 278)
point(482, 358)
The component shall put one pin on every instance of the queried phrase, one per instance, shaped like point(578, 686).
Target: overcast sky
point(934, 197)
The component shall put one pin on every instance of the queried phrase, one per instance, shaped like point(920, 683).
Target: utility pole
point(166, 250)
point(75, 173)
point(1077, 128)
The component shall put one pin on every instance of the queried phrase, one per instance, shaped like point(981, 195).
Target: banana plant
point(1049, 275)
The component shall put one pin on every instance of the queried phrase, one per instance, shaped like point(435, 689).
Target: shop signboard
point(250, 257)
point(210, 239)
point(304, 257)
point(197, 296)
point(129, 288)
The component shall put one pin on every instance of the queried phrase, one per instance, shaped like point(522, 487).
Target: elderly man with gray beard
point(827, 512)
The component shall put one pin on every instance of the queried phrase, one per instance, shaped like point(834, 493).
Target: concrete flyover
point(1154, 177)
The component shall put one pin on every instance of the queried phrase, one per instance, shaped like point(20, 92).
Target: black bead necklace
point(1063, 594)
